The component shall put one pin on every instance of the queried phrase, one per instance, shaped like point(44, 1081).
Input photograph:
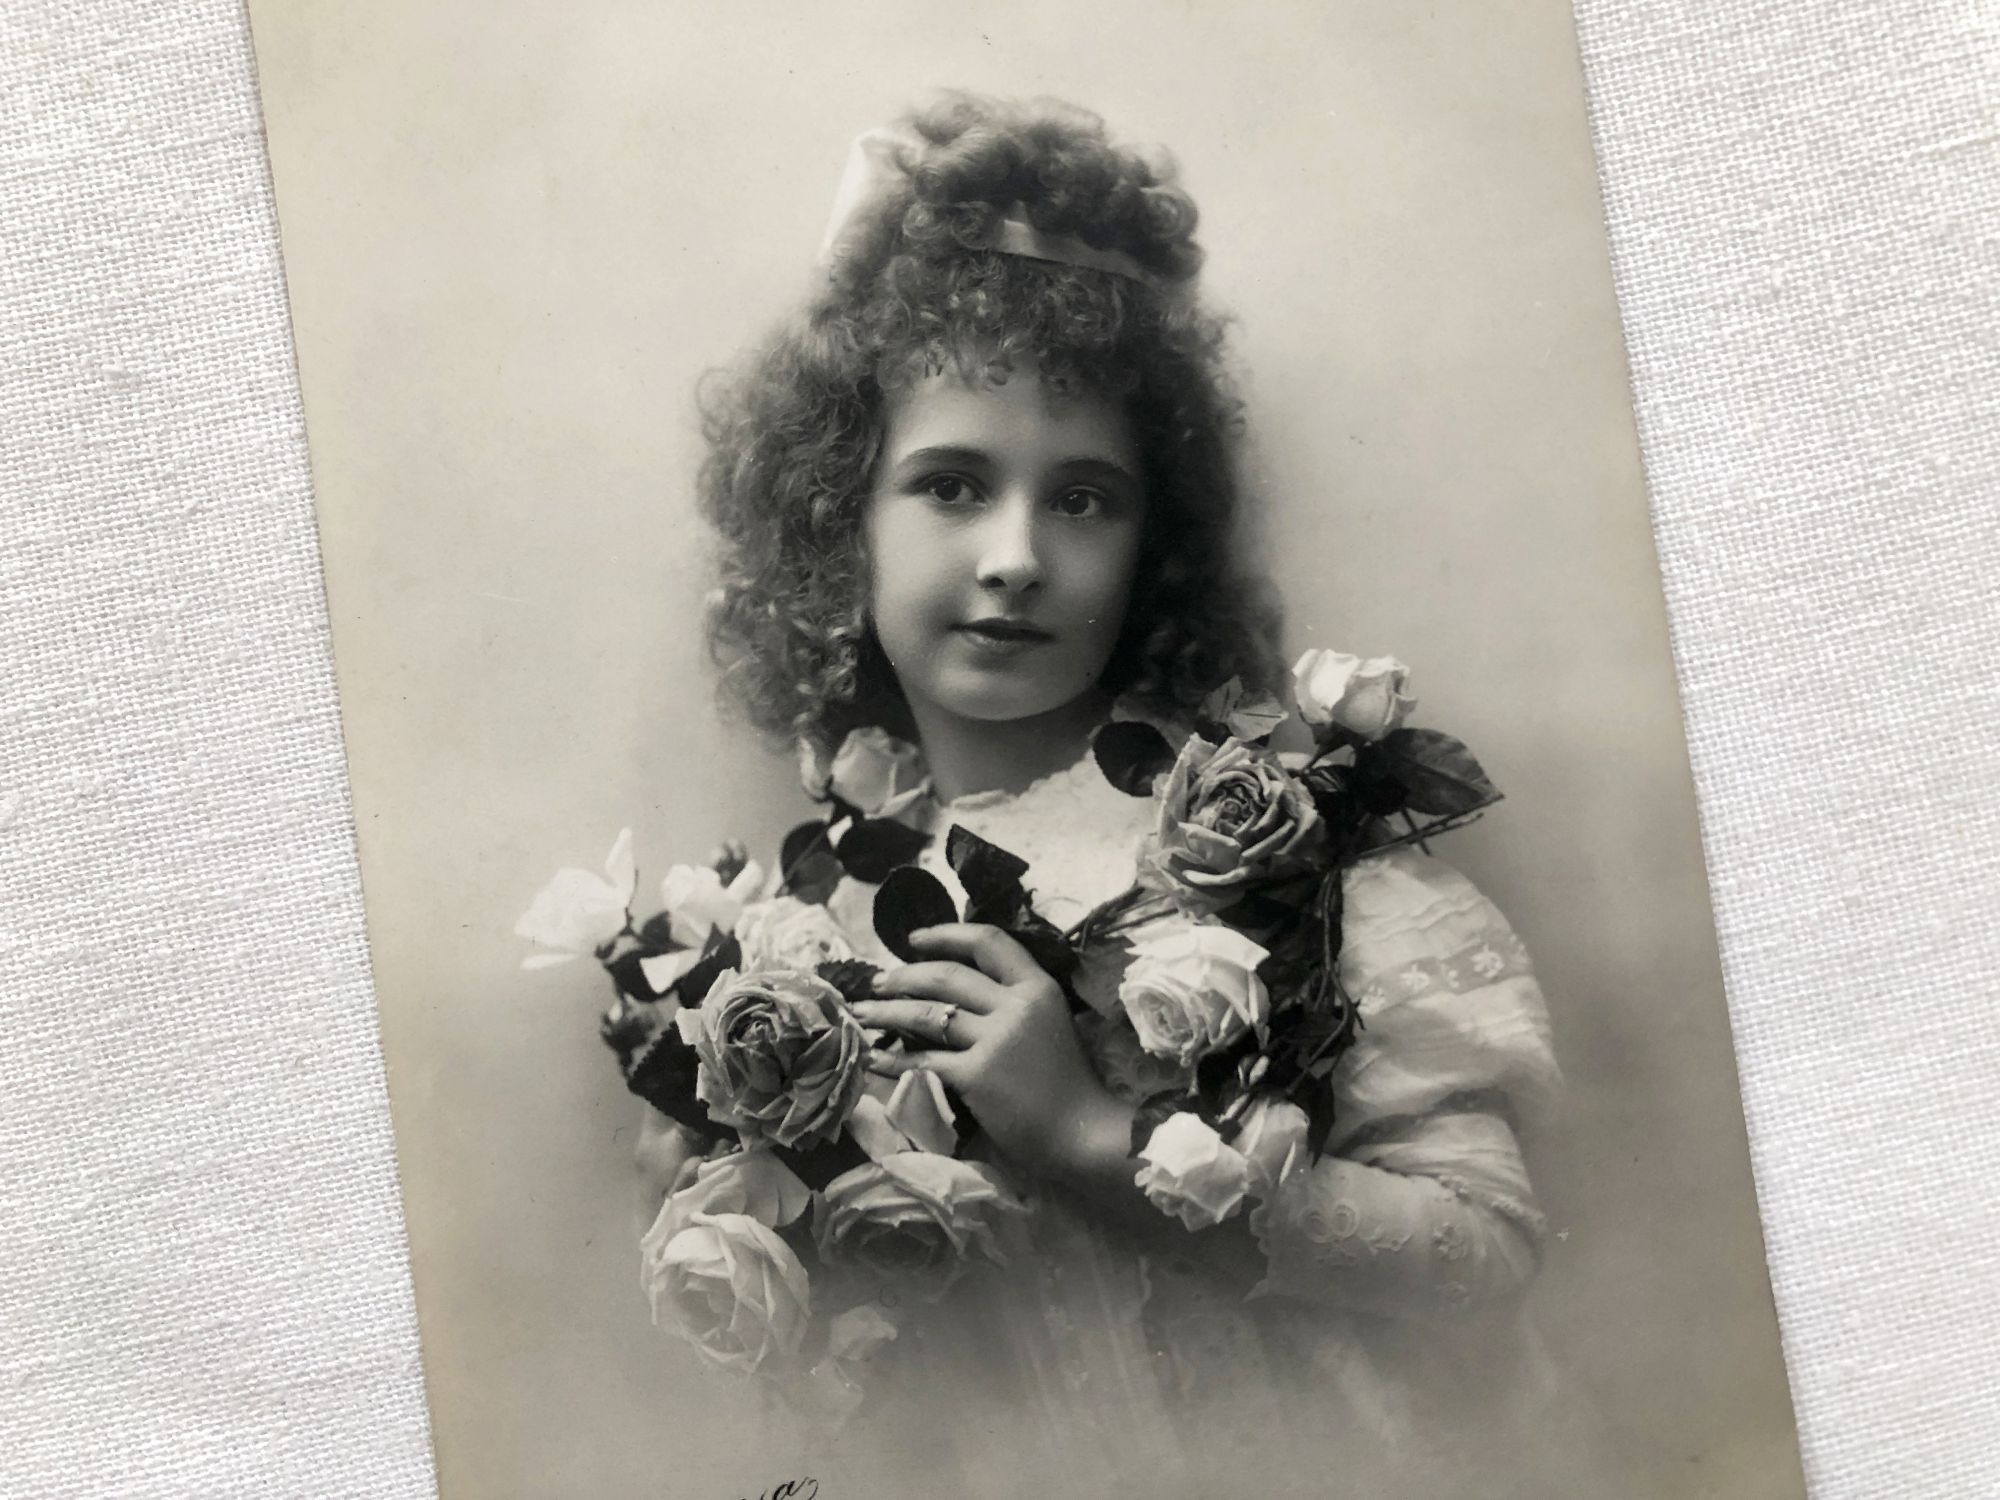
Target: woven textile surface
point(208, 1293)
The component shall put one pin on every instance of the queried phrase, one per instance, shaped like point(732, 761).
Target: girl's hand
point(1010, 1050)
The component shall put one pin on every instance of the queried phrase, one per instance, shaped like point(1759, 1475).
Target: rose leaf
point(628, 973)
point(664, 1077)
point(1374, 783)
point(872, 847)
point(909, 900)
point(692, 987)
point(1131, 754)
point(656, 935)
point(1441, 777)
point(991, 876)
point(1332, 789)
point(810, 870)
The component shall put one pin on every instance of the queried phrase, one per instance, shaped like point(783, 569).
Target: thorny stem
point(1104, 919)
point(1431, 830)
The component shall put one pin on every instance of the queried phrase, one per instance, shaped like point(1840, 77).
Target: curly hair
point(794, 436)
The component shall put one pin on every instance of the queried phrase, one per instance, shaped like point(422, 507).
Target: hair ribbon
point(874, 170)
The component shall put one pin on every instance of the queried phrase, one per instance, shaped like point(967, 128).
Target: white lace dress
point(1386, 1338)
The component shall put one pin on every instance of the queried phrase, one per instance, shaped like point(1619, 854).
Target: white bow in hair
point(872, 173)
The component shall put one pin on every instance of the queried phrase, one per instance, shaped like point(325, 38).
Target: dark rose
point(782, 1057)
point(916, 1219)
point(1230, 816)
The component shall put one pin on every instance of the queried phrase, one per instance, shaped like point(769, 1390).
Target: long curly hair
point(793, 435)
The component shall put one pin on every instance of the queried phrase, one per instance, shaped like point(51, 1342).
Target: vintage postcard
point(1023, 810)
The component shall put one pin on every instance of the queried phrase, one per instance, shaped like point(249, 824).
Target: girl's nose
point(1009, 549)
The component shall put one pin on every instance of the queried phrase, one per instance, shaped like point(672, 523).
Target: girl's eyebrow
point(943, 453)
point(1103, 469)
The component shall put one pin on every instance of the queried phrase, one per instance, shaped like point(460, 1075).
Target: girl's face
point(1003, 532)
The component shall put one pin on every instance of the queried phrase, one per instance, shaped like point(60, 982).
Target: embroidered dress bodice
point(1123, 1361)
point(1079, 834)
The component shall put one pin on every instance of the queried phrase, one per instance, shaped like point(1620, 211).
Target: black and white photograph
point(1023, 811)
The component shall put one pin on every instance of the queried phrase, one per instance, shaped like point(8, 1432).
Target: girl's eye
point(1079, 505)
point(949, 488)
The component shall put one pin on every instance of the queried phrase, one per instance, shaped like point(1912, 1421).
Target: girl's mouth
point(1013, 632)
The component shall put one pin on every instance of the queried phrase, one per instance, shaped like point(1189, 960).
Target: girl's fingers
point(946, 1065)
point(920, 1018)
point(939, 981)
point(988, 949)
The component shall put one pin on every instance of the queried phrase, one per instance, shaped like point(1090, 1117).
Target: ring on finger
point(942, 1015)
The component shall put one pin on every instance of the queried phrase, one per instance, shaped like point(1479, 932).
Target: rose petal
point(574, 913)
point(664, 970)
point(919, 1109)
point(621, 868)
point(872, 1130)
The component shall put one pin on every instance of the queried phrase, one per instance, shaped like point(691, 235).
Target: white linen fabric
point(207, 1293)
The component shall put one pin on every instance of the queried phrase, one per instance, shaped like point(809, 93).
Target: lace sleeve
point(1432, 1218)
point(1424, 1206)
point(1449, 1002)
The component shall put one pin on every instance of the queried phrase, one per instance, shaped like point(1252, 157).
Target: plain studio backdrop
point(516, 235)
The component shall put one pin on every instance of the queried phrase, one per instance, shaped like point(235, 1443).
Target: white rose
point(728, 1284)
point(699, 903)
point(787, 933)
point(877, 774)
point(1192, 1173)
point(915, 1220)
point(1365, 698)
point(578, 912)
point(752, 1181)
point(1194, 989)
point(1272, 1140)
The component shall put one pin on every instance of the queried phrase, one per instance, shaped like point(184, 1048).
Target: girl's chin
point(990, 707)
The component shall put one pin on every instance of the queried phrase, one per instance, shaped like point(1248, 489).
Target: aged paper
point(516, 239)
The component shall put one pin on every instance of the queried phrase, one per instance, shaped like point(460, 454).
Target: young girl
point(980, 498)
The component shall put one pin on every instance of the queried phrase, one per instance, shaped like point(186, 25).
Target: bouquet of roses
point(823, 1194)
point(1235, 996)
point(820, 1197)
